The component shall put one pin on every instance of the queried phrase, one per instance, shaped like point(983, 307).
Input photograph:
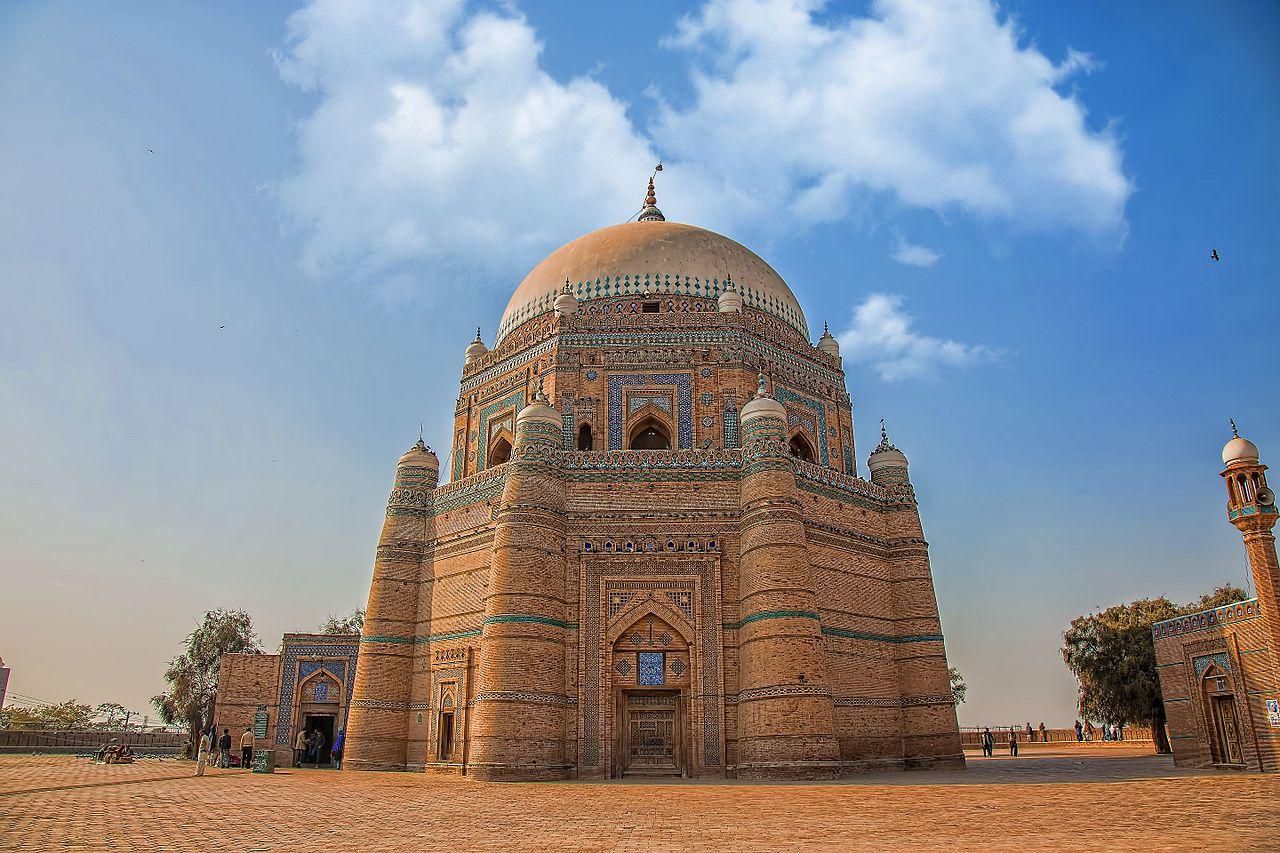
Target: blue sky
point(1005, 212)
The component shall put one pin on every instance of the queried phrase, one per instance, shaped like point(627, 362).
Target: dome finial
point(885, 444)
point(1234, 431)
point(477, 333)
point(761, 391)
point(826, 330)
point(650, 212)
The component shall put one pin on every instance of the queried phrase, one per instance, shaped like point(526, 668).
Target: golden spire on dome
point(650, 212)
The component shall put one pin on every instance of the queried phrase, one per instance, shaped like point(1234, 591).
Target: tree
point(193, 675)
point(1220, 597)
point(353, 624)
point(65, 715)
point(111, 710)
point(958, 688)
point(1113, 657)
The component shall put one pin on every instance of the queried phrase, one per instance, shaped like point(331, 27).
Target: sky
point(244, 245)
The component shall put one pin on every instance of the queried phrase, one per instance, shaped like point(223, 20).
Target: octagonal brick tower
point(655, 555)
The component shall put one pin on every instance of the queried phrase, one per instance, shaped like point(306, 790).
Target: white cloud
point(913, 255)
point(880, 335)
point(935, 103)
point(440, 151)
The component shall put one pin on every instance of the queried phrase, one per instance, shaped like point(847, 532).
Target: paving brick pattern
point(1079, 799)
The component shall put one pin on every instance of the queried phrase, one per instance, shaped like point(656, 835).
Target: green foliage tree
point(1220, 597)
point(1113, 657)
point(114, 712)
point(958, 688)
point(193, 675)
point(352, 624)
point(64, 715)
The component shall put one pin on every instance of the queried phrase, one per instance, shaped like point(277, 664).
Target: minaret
point(521, 704)
point(377, 722)
point(786, 715)
point(1251, 507)
point(930, 735)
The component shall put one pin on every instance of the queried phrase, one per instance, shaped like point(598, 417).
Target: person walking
point(246, 748)
point(224, 749)
point(988, 743)
point(300, 747)
point(1088, 730)
point(1119, 731)
point(1079, 731)
point(1031, 734)
point(1044, 734)
point(1013, 741)
point(337, 749)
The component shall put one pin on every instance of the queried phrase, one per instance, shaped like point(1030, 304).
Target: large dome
point(657, 257)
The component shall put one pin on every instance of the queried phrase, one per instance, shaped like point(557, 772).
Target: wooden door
point(1224, 719)
point(651, 734)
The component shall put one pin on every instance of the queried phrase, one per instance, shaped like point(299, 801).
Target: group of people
point(217, 748)
point(1110, 731)
point(114, 753)
point(989, 740)
point(309, 748)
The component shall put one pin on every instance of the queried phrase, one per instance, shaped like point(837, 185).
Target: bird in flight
point(151, 150)
point(222, 327)
point(1214, 255)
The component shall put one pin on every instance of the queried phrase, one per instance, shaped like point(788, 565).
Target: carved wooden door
point(651, 740)
point(1224, 718)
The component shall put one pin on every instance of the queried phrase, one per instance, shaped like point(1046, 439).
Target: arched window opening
point(801, 449)
point(584, 437)
point(500, 453)
point(651, 437)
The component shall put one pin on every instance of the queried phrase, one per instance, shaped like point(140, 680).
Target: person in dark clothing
point(1013, 741)
point(1044, 733)
point(988, 743)
point(321, 743)
point(224, 749)
point(1079, 731)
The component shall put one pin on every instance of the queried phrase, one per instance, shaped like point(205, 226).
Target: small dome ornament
point(827, 343)
point(540, 409)
point(763, 404)
point(650, 212)
point(420, 455)
point(729, 301)
point(476, 349)
point(566, 304)
point(1239, 451)
point(887, 463)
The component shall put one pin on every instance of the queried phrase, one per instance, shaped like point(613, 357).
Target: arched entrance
point(650, 434)
point(650, 670)
point(1224, 725)
point(801, 448)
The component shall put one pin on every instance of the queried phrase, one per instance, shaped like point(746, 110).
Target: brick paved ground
point(1083, 799)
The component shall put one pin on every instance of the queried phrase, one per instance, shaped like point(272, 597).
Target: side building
point(306, 686)
point(1220, 668)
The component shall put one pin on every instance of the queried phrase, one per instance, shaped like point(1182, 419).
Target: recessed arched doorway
point(1224, 723)
point(650, 435)
point(650, 676)
point(801, 448)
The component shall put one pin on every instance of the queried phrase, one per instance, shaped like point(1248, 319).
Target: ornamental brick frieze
point(840, 484)
point(489, 367)
point(703, 543)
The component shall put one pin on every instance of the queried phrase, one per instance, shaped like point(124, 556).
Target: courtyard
point(1095, 797)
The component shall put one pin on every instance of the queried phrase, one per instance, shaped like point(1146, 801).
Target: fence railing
point(35, 740)
point(971, 736)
